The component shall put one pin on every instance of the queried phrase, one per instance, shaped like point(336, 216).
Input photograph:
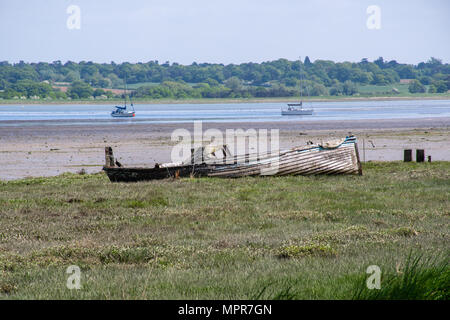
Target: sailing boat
point(122, 112)
point(296, 109)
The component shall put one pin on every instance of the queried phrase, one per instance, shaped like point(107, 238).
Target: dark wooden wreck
point(335, 157)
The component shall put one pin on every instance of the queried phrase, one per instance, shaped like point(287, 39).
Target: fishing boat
point(121, 111)
point(330, 158)
point(296, 109)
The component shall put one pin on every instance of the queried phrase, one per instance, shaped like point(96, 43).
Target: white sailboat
point(122, 112)
point(296, 109)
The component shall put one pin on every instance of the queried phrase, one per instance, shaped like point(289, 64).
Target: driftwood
point(109, 157)
point(337, 157)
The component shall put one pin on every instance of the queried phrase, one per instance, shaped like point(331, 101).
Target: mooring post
point(364, 150)
point(407, 155)
point(420, 155)
point(109, 157)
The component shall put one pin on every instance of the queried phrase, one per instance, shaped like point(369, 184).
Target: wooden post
point(357, 159)
point(364, 151)
point(407, 155)
point(420, 155)
point(109, 157)
point(224, 148)
point(203, 154)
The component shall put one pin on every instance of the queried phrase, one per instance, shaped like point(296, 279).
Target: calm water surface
point(230, 112)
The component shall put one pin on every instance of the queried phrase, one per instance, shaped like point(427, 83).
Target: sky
point(227, 31)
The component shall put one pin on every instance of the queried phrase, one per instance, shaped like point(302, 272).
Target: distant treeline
point(279, 78)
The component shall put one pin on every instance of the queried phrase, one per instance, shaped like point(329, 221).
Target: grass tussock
point(421, 278)
point(298, 251)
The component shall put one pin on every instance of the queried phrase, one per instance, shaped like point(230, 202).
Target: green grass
point(403, 91)
point(140, 84)
point(249, 238)
point(374, 89)
point(148, 84)
point(420, 279)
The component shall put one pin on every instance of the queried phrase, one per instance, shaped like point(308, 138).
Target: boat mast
point(301, 90)
point(131, 102)
point(125, 93)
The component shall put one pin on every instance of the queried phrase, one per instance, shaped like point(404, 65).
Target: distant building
point(406, 81)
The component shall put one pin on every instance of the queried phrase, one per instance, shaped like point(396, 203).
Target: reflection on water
point(233, 112)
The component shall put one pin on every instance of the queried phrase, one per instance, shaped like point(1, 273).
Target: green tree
point(72, 76)
point(379, 79)
point(30, 88)
point(379, 62)
point(441, 86)
point(425, 80)
point(432, 89)
point(234, 83)
point(212, 82)
point(80, 90)
point(98, 92)
point(349, 88)
point(307, 62)
point(337, 89)
point(319, 90)
point(416, 87)
point(59, 94)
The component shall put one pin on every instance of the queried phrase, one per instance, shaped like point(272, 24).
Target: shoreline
point(89, 125)
point(222, 101)
point(399, 123)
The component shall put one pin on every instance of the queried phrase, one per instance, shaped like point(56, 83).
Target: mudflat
point(52, 148)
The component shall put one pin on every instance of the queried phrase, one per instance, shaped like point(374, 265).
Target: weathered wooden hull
point(316, 160)
point(309, 160)
point(116, 174)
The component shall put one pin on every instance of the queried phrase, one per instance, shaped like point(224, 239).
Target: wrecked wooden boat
point(332, 157)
